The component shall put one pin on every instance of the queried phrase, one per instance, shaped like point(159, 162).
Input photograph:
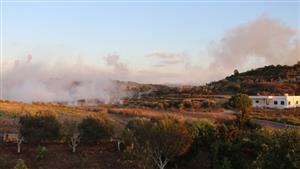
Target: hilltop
point(274, 80)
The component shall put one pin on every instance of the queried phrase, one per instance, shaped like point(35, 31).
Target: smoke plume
point(32, 81)
point(258, 43)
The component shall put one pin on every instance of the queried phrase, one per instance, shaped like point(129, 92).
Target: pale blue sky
point(52, 31)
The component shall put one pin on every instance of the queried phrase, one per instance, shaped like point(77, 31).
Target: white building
point(281, 102)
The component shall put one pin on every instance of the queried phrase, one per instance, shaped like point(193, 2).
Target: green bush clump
point(227, 155)
point(39, 128)
point(282, 151)
point(20, 165)
point(158, 141)
point(42, 152)
point(95, 128)
point(204, 134)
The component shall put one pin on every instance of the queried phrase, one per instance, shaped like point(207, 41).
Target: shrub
point(283, 151)
point(69, 127)
point(42, 152)
point(161, 140)
point(39, 128)
point(226, 155)
point(20, 165)
point(204, 134)
point(140, 127)
point(226, 164)
point(95, 128)
point(187, 103)
point(228, 132)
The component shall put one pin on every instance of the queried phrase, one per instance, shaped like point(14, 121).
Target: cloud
point(165, 54)
point(167, 58)
point(114, 61)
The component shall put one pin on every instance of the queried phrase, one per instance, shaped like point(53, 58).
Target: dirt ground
point(102, 156)
point(60, 157)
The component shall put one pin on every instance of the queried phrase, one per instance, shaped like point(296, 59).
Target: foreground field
point(213, 139)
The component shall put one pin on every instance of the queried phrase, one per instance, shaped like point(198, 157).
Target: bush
point(204, 134)
point(283, 151)
point(187, 103)
point(228, 133)
point(226, 155)
point(95, 128)
point(69, 127)
point(20, 165)
point(42, 152)
point(160, 140)
point(39, 128)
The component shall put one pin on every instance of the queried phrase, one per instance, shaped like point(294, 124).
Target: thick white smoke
point(28, 81)
point(261, 42)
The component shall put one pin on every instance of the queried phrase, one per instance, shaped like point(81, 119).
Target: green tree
point(71, 134)
point(236, 72)
point(243, 103)
point(163, 140)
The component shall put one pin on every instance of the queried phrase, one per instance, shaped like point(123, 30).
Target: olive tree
point(161, 140)
point(71, 134)
point(243, 103)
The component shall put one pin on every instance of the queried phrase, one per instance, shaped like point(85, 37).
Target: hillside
point(268, 80)
point(275, 80)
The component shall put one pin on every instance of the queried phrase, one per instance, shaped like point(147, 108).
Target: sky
point(150, 42)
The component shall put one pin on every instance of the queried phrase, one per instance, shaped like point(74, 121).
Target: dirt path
point(272, 124)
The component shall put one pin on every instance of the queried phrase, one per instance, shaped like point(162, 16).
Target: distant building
point(280, 102)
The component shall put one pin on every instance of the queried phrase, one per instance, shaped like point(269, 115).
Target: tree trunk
point(19, 142)
point(19, 148)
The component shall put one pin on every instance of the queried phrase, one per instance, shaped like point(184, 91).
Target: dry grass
point(15, 109)
point(148, 113)
point(138, 112)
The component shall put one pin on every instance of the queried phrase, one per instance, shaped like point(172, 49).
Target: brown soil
point(102, 156)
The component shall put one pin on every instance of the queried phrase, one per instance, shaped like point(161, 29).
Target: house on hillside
point(280, 102)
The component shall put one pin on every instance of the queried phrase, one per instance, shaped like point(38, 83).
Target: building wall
point(275, 101)
point(293, 101)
